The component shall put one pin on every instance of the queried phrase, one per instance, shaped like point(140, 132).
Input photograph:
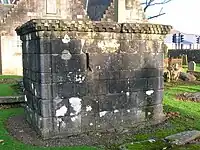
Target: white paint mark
point(91, 124)
point(149, 92)
point(128, 111)
point(122, 120)
point(101, 114)
point(98, 126)
point(54, 54)
point(25, 98)
point(88, 108)
point(115, 111)
point(149, 113)
point(127, 93)
point(35, 92)
point(62, 111)
point(32, 86)
point(122, 91)
point(66, 39)
point(76, 104)
point(66, 55)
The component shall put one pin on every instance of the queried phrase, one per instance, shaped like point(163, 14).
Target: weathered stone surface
point(195, 97)
point(11, 99)
point(191, 66)
point(81, 77)
point(187, 76)
point(183, 137)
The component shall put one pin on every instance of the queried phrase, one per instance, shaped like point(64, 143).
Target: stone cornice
point(89, 26)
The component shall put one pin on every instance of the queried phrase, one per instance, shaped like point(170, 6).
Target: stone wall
point(11, 55)
point(85, 76)
point(193, 55)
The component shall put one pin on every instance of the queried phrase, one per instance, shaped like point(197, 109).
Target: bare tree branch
point(156, 16)
point(149, 3)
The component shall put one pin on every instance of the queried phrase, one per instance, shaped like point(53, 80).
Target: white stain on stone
point(54, 54)
point(128, 111)
point(79, 78)
point(62, 111)
point(32, 86)
point(115, 111)
point(76, 118)
point(109, 45)
point(101, 114)
point(25, 98)
point(88, 108)
point(98, 67)
point(66, 39)
point(149, 92)
point(82, 44)
point(69, 76)
point(127, 93)
point(35, 92)
point(75, 104)
point(63, 124)
point(91, 124)
point(149, 113)
point(58, 121)
point(66, 55)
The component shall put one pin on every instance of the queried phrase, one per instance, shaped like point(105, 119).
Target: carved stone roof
point(89, 26)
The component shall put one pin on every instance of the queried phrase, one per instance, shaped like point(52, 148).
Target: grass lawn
point(8, 85)
point(197, 68)
point(189, 120)
point(10, 77)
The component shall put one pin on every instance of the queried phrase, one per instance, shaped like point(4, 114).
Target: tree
point(150, 3)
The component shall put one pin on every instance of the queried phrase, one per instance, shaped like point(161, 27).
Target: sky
point(181, 14)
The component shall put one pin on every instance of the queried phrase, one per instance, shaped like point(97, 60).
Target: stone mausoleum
point(82, 76)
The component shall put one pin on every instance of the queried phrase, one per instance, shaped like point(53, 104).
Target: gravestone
point(82, 77)
point(185, 60)
point(191, 66)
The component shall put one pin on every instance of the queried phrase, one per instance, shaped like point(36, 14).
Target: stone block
point(155, 83)
point(88, 77)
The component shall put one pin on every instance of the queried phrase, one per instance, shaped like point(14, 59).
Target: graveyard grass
point(197, 68)
point(188, 120)
point(9, 89)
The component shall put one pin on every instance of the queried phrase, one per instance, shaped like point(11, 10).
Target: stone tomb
point(91, 76)
point(191, 66)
